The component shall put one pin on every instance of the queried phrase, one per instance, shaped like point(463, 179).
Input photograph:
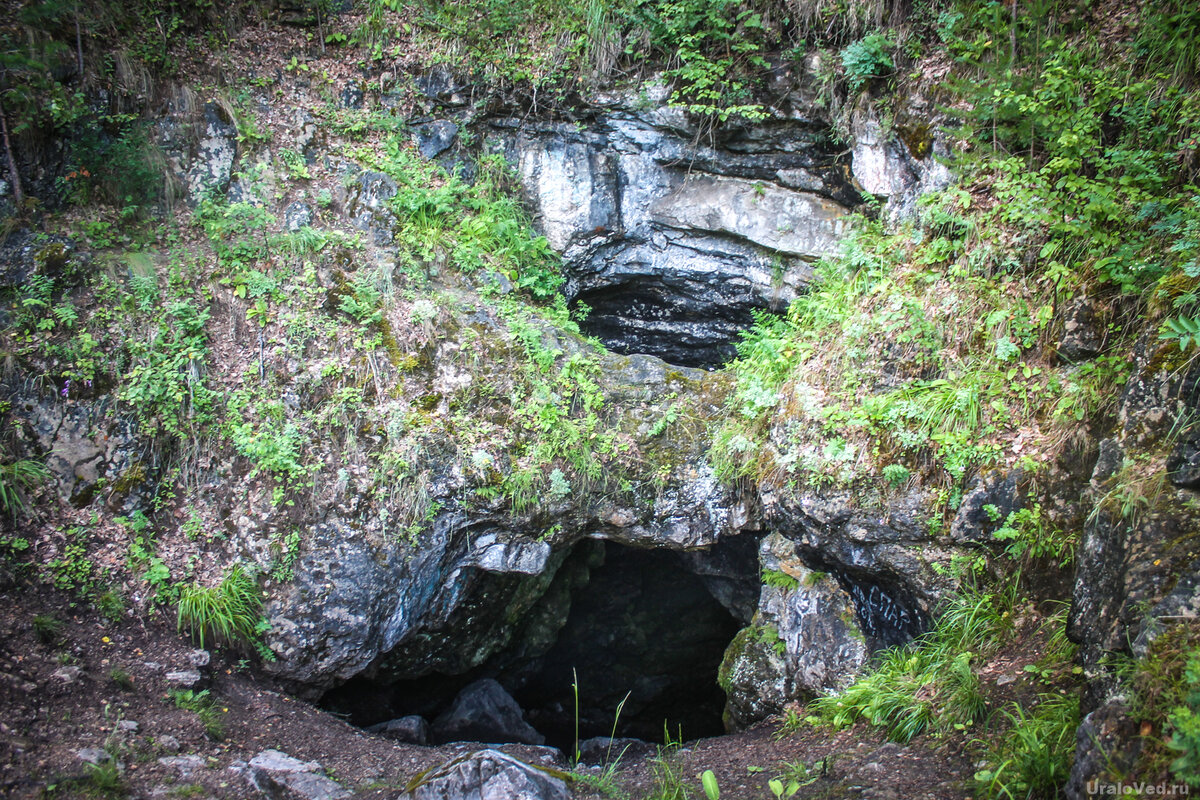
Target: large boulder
point(484, 712)
point(488, 775)
point(278, 776)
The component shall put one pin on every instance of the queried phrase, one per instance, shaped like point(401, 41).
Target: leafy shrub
point(1029, 534)
point(480, 227)
point(1183, 329)
point(1184, 721)
point(121, 167)
point(166, 385)
point(715, 44)
point(869, 57)
point(896, 475)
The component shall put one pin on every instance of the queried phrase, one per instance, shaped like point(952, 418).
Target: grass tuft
point(229, 613)
point(1034, 757)
point(47, 628)
point(930, 683)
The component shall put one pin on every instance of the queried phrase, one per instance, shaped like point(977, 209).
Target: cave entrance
point(641, 626)
point(645, 630)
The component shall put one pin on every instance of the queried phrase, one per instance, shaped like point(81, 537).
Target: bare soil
point(58, 697)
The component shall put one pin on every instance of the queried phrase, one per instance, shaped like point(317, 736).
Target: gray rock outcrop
point(211, 167)
point(804, 640)
point(488, 775)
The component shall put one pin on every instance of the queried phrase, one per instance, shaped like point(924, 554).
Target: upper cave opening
point(641, 630)
point(679, 326)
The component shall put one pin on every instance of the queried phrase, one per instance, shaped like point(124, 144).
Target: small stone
point(1108, 462)
point(1083, 331)
point(297, 216)
point(1005, 680)
point(185, 765)
point(92, 755)
point(186, 678)
point(68, 674)
point(127, 725)
point(352, 95)
point(168, 743)
point(498, 282)
point(200, 658)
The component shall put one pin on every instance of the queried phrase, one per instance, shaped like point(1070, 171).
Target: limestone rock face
point(212, 165)
point(892, 169)
point(794, 223)
point(671, 243)
point(1132, 555)
point(1136, 574)
point(89, 443)
point(805, 640)
point(367, 601)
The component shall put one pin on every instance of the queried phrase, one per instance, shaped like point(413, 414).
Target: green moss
point(398, 359)
point(52, 258)
point(918, 138)
point(1169, 357)
point(733, 654)
point(134, 475)
point(780, 580)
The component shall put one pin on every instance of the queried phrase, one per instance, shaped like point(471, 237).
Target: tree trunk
point(78, 43)
point(18, 193)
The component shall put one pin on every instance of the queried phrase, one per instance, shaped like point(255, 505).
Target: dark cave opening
point(644, 631)
point(658, 319)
